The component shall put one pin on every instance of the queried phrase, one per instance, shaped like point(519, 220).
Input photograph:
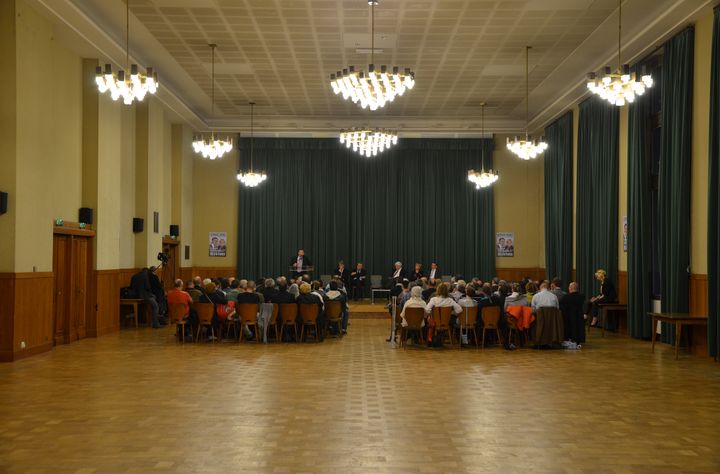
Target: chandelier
point(527, 148)
point(212, 147)
point(482, 179)
point(251, 178)
point(134, 86)
point(373, 89)
point(619, 87)
point(368, 142)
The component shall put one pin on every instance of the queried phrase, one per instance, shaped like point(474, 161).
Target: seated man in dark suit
point(434, 271)
point(283, 295)
point(571, 306)
point(140, 284)
point(357, 281)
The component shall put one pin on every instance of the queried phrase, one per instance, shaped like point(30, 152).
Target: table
point(611, 308)
point(680, 320)
point(381, 290)
point(134, 302)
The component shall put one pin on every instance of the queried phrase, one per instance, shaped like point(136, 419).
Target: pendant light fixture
point(131, 87)
point(528, 148)
point(251, 178)
point(212, 147)
point(368, 142)
point(619, 87)
point(482, 179)
point(374, 89)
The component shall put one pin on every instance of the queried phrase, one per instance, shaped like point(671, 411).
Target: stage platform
point(364, 310)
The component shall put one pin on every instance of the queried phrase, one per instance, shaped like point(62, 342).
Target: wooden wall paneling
point(698, 306)
point(107, 314)
point(80, 284)
point(186, 273)
point(62, 290)
point(33, 314)
point(517, 274)
point(622, 287)
point(7, 309)
point(214, 272)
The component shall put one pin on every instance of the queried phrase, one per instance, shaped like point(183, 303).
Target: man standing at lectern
point(300, 264)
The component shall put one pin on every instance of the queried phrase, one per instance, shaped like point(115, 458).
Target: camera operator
point(140, 284)
point(158, 291)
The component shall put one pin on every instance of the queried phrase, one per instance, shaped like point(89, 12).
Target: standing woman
point(608, 294)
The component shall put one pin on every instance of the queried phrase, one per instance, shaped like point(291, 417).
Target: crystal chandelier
point(251, 178)
point(619, 87)
point(212, 147)
point(368, 142)
point(376, 88)
point(134, 86)
point(482, 179)
point(527, 148)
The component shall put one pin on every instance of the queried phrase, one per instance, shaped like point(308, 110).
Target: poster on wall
point(218, 244)
point(625, 234)
point(505, 244)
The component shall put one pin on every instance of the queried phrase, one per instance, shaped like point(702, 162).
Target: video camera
point(163, 257)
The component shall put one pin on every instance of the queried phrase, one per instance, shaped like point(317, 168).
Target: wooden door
point(62, 249)
point(171, 271)
point(77, 317)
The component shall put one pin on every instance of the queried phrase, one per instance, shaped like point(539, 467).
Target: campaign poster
point(505, 244)
point(218, 244)
point(625, 234)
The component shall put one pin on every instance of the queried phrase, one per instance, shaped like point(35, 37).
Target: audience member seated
point(158, 290)
point(458, 291)
point(516, 297)
point(140, 285)
point(268, 290)
point(530, 289)
point(307, 297)
point(441, 300)
point(607, 295)
point(430, 290)
point(233, 290)
point(178, 296)
point(544, 299)
point(357, 281)
point(334, 294)
point(212, 296)
point(194, 293)
point(294, 290)
point(283, 296)
point(556, 288)
point(468, 300)
point(571, 306)
point(415, 301)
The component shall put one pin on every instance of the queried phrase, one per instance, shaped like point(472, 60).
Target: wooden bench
point(611, 308)
point(134, 302)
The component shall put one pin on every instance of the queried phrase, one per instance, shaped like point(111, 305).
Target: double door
point(72, 259)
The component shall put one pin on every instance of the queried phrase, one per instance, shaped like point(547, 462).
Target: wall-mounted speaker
point(3, 202)
point(156, 222)
point(174, 230)
point(138, 224)
point(187, 252)
point(85, 215)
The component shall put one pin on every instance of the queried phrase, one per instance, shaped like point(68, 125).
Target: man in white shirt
point(544, 299)
point(434, 271)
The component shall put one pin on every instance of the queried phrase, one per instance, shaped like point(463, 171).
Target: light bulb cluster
point(368, 142)
point(528, 148)
point(134, 86)
point(374, 89)
point(482, 179)
point(251, 178)
point(212, 147)
point(619, 87)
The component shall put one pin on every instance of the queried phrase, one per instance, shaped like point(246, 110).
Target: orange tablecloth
point(522, 315)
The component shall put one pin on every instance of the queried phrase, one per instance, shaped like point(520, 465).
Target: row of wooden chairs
point(442, 316)
point(283, 319)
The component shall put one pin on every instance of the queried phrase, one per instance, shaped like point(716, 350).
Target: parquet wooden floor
point(138, 402)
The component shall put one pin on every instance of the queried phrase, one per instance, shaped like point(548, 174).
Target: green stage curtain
point(639, 216)
point(675, 171)
point(597, 193)
point(713, 249)
point(559, 198)
point(412, 203)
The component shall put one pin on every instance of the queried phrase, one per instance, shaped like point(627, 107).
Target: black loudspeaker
point(174, 230)
point(3, 202)
point(138, 224)
point(85, 214)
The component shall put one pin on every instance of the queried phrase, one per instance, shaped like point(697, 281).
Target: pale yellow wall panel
point(109, 197)
point(8, 133)
point(127, 188)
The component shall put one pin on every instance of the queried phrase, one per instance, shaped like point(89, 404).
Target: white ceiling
point(280, 53)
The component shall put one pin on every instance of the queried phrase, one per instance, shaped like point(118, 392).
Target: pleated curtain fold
point(713, 249)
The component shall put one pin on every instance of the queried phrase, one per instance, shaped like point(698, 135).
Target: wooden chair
point(287, 313)
point(274, 323)
point(469, 313)
point(414, 318)
point(247, 315)
point(442, 321)
point(491, 319)
point(333, 314)
point(205, 312)
point(177, 317)
point(309, 315)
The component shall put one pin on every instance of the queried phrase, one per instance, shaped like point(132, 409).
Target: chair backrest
point(247, 312)
point(275, 311)
point(287, 312)
point(308, 312)
point(470, 314)
point(177, 312)
point(205, 312)
point(414, 317)
point(376, 281)
point(491, 316)
point(442, 315)
point(333, 310)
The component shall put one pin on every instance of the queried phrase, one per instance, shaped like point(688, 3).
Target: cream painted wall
point(182, 187)
point(519, 208)
point(622, 185)
point(215, 191)
point(127, 188)
point(701, 139)
point(8, 133)
point(49, 140)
